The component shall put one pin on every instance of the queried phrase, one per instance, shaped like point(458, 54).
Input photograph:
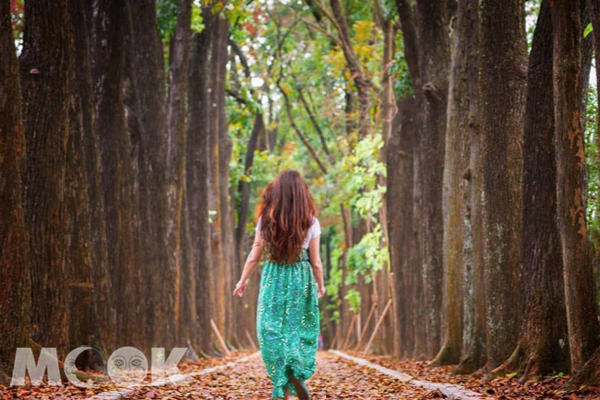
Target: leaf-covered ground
point(335, 378)
point(68, 391)
point(509, 388)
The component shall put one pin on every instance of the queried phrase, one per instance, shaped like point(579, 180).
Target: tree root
point(446, 356)
point(531, 368)
point(589, 374)
point(468, 365)
point(79, 374)
point(514, 363)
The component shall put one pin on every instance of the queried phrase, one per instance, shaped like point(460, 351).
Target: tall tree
point(178, 84)
point(434, 59)
point(119, 185)
point(474, 321)
point(503, 81)
point(197, 175)
point(15, 283)
point(580, 291)
point(462, 91)
point(78, 214)
point(400, 153)
point(219, 199)
point(147, 121)
point(543, 342)
point(103, 312)
point(428, 57)
point(46, 62)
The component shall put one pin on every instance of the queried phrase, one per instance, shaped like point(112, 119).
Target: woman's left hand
point(240, 288)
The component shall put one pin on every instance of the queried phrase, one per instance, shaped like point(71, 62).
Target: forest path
point(335, 378)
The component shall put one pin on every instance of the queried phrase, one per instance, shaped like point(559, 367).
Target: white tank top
point(313, 231)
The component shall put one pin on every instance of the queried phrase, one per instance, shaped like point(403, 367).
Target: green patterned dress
point(288, 322)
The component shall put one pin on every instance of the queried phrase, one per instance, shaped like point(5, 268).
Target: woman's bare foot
point(300, 386)
point(288, 395)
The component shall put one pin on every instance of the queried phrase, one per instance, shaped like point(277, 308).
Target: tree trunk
point(580, 291)
point(178, 83)
point(46, 63)
point(399, 196)
point(217, 235)
point(103, 311)
point(15, 278)
point(197, 176)
point(414, 344)
point(503, 79)
point(147, 109)
point(434, 61)
point(464, 66)
point(245, 312)
point(118, 172)
point(543, 342)
point(474, 322)
point(83, 329)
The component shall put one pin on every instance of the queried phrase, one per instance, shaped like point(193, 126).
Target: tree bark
point(15, 278)
point(580, 291)
point(46, 63)
point(503, 79)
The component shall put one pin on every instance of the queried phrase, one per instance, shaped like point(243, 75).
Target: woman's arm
point(317, 266)
point(251, 263)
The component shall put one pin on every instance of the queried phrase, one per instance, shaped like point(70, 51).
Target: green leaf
point(588, 29)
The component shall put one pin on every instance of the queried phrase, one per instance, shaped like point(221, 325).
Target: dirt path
point(335, 378)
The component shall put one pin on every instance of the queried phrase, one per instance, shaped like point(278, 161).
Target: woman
point(287, 321)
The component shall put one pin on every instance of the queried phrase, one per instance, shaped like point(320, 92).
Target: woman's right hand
point(321, 289)
point(240, 288)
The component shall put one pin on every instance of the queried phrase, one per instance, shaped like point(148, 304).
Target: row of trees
point(487, 167)
point(113, 149)
point(136, 141)
point(443, 143)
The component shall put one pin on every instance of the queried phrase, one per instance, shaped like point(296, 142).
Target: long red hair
point(286, 213)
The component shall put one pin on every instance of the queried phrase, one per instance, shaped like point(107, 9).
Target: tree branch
point(311, 115)
point(288, 109)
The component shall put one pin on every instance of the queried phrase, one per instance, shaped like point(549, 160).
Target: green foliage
point(355, 176)
point(282, 50)
point(166, 13)
point(353, 298)
point(532, 10)
point(368, 256)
